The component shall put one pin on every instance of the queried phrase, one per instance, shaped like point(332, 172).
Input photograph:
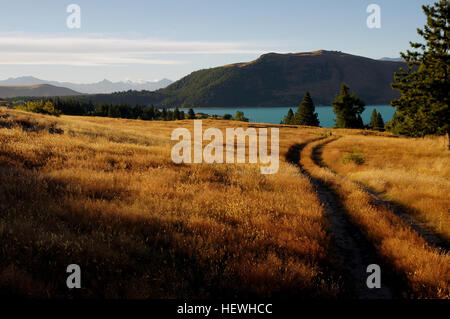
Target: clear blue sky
point(148, 40)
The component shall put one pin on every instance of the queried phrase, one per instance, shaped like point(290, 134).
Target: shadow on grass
point(43, 230)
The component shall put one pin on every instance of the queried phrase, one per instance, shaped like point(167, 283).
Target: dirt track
point(352, 251)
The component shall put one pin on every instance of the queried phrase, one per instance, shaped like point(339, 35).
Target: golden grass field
point(413, 172)
point(425, 268)
point(104, 193)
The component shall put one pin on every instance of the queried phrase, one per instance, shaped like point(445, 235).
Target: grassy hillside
point(105, 194)
point(281, 80)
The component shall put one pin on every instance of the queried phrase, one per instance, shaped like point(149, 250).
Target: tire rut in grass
point(404, 213)
point(351, 250)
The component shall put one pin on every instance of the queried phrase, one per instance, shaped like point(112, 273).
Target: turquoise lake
point(274, 115)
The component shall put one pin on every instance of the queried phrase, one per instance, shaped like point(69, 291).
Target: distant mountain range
point(274, 80)
point(35, 90)
point(104, 86)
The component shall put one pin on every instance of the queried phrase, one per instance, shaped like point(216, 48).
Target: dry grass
point(412, 172)
point(103, 193)
point(426, 269)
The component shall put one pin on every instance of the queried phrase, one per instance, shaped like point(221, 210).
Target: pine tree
point(289, 118)
point(176, 114)
point(359, 122)
point(152, 112)
point(113, 111)
point(373, 119)
point(191, 114)
point(379, 124)
point(423, 106)
point(376, 121)
point(149, 113)
point(305, 114)
point(348, 108)
point(170, 116)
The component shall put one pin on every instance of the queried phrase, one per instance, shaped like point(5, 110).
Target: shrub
point(355, 157)
point(240, 116)
point(325, 134)
point(40, 107)
point(191, 114)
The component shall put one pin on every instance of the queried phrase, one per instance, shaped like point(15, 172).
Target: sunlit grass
point(426, 269)
point(106, 195)
point(412, 172)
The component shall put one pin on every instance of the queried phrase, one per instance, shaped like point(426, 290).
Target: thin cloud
point(84, 59)
point(92, 51)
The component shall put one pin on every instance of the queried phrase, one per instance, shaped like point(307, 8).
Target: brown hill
point(281, 80)
point(35, 90)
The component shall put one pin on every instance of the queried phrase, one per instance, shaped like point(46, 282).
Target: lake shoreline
point(274, 115)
